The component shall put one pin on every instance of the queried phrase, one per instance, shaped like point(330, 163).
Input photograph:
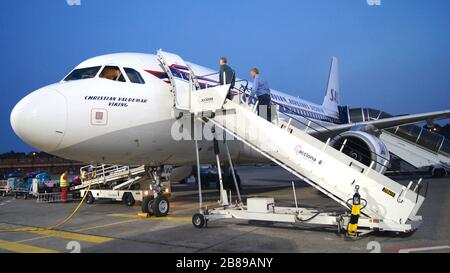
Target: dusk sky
point(394, 57)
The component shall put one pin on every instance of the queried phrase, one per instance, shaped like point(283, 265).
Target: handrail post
point(307, 126)
point(326, 144)
point(343, 145)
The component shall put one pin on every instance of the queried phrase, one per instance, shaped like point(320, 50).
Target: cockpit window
point(134, 76)
point(83, 73)
point(112, 73)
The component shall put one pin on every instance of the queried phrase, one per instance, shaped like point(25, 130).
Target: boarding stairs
point(327, 169)
point(389, 205)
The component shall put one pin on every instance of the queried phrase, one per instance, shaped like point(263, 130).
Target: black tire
point(90, 198)
point(128, 199)
point(161, 206)
point(147, 205)
point(198, 220)
point(25, 196)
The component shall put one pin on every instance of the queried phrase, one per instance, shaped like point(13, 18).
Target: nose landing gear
point(156, 203)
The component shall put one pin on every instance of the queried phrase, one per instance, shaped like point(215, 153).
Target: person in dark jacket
point(226, 75)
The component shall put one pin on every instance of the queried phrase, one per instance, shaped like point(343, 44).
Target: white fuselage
point(108, 121)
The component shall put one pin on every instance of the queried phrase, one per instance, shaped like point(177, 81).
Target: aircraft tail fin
point(331, 100)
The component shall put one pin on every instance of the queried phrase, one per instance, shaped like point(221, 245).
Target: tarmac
point(111, 227)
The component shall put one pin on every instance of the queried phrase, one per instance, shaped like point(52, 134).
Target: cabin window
point(83, 73)
point(134, 76)
point(112, 73)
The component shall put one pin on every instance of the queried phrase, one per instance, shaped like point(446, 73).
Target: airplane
point(121, 109)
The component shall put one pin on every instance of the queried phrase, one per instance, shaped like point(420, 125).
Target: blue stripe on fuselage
point(287, 106)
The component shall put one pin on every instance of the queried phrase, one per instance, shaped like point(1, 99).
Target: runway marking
point(78, 230)
point(419, 249)
point(22, 248)
point(124, 215)
point(107, 225)
point(33, 239)
point(168, 218)
point(176, 219)
point(74, 236)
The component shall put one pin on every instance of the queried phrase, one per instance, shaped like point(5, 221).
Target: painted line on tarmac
point(62, 234)
point(422, 249)
point(74, 236)
point(78, 230)
point(107, 225)
point(23, 248)
point(167, 218)
point(33, 239)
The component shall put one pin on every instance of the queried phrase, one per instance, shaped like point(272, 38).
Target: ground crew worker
point(226, 75)
point(84, 176)
point(64, 185)
point(262, 91)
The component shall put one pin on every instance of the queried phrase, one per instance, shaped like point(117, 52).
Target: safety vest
point(63, 182)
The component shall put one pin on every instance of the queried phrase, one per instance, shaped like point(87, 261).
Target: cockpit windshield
point(83, 73)
point(112, 73)
point(134, 76)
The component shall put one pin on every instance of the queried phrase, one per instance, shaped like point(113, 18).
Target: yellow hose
point(63, 222)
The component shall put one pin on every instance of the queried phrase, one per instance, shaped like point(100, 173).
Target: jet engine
point(179, 173)
point(365, 148)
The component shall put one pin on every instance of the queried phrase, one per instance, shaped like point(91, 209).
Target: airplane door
point(179, 74)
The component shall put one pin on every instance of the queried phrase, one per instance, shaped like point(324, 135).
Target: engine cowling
point(180, 172)
point(365, 148)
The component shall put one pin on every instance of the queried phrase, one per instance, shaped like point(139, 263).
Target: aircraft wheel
point(90, 198)
point(147, 204)
point(161, 206)
point(198, 220)
point(128, 199)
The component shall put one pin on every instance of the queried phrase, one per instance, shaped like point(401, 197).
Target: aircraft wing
point(385, 123)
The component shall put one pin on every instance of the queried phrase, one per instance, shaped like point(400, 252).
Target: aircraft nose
point(40, 119)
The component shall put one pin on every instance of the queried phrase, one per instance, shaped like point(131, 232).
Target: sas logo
point(333, 96)
point(299, 151)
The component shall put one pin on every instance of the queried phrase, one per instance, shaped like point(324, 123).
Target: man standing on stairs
point(262, 91)
point(226, 75)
